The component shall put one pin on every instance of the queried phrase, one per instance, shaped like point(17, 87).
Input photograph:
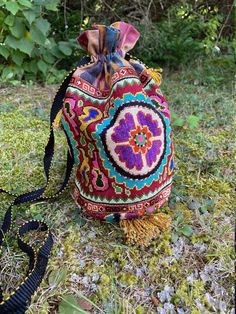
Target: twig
point(81, 14)
point(226, 20)
point(65, 19)
point(148, 9)
point(109, 7)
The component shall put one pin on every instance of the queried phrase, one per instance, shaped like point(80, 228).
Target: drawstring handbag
point(117, 125)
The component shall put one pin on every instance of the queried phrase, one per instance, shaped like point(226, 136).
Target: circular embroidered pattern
point(135, 140)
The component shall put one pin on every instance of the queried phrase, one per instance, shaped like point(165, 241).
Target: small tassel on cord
point(57, 120)
point(141, 231)
point(156, 75)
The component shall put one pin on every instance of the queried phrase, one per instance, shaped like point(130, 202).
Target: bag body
point(118, 124)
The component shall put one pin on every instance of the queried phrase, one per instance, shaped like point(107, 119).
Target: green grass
point(190, 274)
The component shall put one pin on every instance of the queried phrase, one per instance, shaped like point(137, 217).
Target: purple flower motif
point(146, 119)
point(137, 140)
point(121, 132)
point(152, 153)
point(126, 155)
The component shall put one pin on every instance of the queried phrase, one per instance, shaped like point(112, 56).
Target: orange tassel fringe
point(156, 75)
point(57, 121)
point(141, 231)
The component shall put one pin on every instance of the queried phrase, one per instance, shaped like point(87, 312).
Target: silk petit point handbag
point(118, 125)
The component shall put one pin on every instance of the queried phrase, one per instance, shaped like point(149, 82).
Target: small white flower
point(95, 277)
point(74, 277)
point(89, 248)
point(93, 287)
point(85, 280)
point(83, 240)
point(92, 235)
point(82, 263)
point(97, 262)
point(139, 272)
point(165, 295)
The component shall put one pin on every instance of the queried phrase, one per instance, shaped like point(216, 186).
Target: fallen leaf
point(154, 300)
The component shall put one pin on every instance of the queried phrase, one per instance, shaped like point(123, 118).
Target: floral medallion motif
point(135, 140)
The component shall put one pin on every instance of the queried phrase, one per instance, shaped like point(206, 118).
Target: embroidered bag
point(117, 124)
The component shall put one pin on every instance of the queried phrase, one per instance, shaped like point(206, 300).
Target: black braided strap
point(18, 302)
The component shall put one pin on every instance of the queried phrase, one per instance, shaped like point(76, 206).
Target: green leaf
point(30, 15)
point(65, 48)
point(37, 36)
point(193, 204)
point(69, 305)
point(7, 73)
point(43, 67)
point(178, 122)
point(12, 42)
point(25, 3)
point(18, 57)
point(187, 230)
point(9, 20)
point(4, 51)
point(33, 67)
point(52, 5)
point(13, 7)
point(18, 29)
point(174, 237)
point(193, 121)
point(48, 57)
point(43, 25)
point(26, 46)
point(56, 52)
point(57, 276)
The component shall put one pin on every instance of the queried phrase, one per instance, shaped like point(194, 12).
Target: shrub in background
point(37, 37)
point(183, 36)
point(27, 48)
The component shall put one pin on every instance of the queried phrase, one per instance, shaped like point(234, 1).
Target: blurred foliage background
point(38, 37)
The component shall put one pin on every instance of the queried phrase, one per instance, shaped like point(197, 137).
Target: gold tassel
point(142, 230)
point(156, 75)
point(57, 120)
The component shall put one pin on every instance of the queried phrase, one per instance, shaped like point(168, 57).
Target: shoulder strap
point(19, 299)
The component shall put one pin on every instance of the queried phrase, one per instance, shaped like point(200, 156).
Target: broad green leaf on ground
point(57, 276)
point(69, 305)
point(187, 230)
point(193, 121)
point(178, 122)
